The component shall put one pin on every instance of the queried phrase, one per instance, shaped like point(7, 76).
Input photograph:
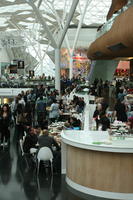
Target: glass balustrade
point(107, 26)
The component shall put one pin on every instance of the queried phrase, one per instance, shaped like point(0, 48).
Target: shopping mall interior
point(66, 99)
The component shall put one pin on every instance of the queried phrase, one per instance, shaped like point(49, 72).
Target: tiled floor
point(19, 182)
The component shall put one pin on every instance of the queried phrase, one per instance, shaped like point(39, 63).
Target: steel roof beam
point(39, 3)
point(80, 23)
point(70, 16)
point(42, 21)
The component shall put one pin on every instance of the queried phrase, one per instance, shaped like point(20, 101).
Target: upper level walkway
point(11, 92)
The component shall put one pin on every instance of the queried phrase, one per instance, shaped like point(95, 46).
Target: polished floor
point(19, 181)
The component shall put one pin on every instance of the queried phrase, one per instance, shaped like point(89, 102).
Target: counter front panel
point(104, 171)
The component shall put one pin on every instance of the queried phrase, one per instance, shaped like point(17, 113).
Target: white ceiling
point(18, 16)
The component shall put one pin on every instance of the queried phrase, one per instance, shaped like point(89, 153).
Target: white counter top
point(87, 140)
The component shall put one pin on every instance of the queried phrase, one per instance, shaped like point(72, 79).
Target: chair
point(44, 154)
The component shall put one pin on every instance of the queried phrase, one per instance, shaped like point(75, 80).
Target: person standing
point(20, 119)
point(30, 140)
point(104, 121)
point(120, 111)
point(5, 119)
point(41, 110)
point(54, 111)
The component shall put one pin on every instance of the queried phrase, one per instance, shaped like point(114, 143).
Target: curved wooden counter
point(100, 170)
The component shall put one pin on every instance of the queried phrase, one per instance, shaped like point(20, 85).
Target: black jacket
point(105, 123)
point(30, 142)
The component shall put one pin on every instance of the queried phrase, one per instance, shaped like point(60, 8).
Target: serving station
point(98, 164)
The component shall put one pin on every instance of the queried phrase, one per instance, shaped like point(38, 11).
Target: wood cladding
point(105, 171)
point(120, 32)
point(115, 6)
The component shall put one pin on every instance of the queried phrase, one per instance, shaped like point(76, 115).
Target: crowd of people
point(33, 111)
point(111, 96)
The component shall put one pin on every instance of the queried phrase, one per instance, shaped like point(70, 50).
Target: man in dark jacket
point(41, 110)
point(30, 140)
point(104, 121)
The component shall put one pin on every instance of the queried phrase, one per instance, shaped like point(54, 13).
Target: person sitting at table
point(67, 126)
point(44, 140)
point(75, 123)
point(30, 140)
point(37, 130)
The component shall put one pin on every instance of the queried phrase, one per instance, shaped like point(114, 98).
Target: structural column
point(57, 69)
point(71, 67)
point(0, 69)
point(86, 114)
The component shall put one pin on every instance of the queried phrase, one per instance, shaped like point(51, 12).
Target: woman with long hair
point(28, 114)
point(19, 121)
point(5, 119)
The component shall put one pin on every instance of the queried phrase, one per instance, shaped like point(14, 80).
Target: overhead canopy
point(18, 15)
point(117, 42)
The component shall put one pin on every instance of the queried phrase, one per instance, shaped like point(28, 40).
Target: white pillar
point(57, 69)
point(0, 69)
point(86, 114)
point(71, 67)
